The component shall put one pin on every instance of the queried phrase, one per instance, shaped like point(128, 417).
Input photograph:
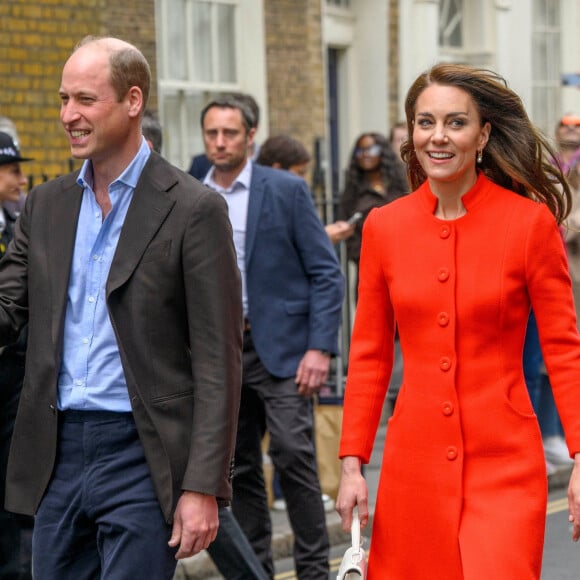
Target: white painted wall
point(419, 46)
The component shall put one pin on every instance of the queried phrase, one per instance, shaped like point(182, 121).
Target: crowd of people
point(156, 325)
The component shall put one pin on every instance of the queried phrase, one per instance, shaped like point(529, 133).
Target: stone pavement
point(201, 567)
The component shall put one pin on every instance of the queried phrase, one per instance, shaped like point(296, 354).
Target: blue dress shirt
point(237, 197)
point(91, 376)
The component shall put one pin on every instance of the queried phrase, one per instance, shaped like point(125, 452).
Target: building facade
point(321, 70)
point(36, 37)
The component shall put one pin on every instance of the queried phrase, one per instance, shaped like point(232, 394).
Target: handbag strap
point(355, 530)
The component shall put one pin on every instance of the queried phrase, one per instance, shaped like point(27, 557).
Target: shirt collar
point(130, 175)
point(242, 181)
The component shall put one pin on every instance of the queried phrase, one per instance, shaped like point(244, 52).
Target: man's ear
point(134, 101)
point(251, 135)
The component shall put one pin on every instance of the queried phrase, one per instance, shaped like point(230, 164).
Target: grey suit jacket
point(174, 298)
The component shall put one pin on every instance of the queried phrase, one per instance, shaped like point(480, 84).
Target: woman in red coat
point(458, 264)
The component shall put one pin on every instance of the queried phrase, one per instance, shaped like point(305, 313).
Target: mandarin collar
point(470, 198)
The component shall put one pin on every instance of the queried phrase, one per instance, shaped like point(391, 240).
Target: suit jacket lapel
point(256, 198)
point(147, 211)
point(60, 240)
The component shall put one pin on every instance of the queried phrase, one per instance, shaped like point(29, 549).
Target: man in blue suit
point(292, 295)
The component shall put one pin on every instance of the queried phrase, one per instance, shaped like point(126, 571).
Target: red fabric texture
point(463, 487)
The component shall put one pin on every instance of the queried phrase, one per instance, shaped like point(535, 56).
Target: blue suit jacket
point(294, 281)
point(199, 167)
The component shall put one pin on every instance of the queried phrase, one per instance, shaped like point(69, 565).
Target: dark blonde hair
point(517, 156)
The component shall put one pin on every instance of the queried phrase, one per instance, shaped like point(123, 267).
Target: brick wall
point(394, 63)
point(36, 38)
point(295, 69)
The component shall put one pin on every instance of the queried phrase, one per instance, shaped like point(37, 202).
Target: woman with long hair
point(458, 264)
point(375, 177)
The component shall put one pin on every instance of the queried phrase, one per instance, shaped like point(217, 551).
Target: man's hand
point(312, 372)
point(195, 523)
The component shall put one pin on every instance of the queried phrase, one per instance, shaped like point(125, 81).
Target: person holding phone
point(375, 177)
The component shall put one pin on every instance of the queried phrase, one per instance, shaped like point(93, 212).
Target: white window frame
point(182, 133)
point(546, 109)
point(476, 21)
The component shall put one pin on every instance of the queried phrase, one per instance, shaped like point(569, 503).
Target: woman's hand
point(339, 230)
point(574, 499)
point(353, 492)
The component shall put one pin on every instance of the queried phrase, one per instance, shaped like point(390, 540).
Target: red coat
point(463, 490)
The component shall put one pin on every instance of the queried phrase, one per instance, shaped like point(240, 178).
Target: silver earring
point(480, 156)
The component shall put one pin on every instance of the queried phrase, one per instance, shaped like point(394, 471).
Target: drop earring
point(480, 156)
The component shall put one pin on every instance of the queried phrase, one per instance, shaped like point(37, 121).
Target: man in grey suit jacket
point(292, 297)
point(127, 275)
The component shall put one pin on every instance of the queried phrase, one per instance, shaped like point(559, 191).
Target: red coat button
point(444, 363)
point(452, 453)
point(443, 275)
point(443, 319)
point(447, 408)
point(445, 232)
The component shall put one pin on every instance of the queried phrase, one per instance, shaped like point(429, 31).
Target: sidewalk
point(201, 567)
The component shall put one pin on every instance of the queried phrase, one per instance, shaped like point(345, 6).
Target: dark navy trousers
point(100, 517)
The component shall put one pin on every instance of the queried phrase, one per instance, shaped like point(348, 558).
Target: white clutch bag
point(354, 562)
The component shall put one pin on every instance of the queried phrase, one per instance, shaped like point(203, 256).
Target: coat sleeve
point(371, 349)
point(550, 290)
point(214, 315)
point(14, 279)
point(322, 269)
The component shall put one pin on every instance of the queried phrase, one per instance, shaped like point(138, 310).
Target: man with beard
point(292, 295)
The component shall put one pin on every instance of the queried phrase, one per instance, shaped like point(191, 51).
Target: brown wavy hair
point(517, 155)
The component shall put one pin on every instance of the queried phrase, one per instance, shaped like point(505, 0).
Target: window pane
point(181, 114)
point(540, 12)
point(547, 12)
point(227, 36)
point(171, 120)
point(201, 39)
point(552, 14)
point(451, 23)
point(546, 63)
point(194, 105)
point(540, 56)
point(176, 61)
